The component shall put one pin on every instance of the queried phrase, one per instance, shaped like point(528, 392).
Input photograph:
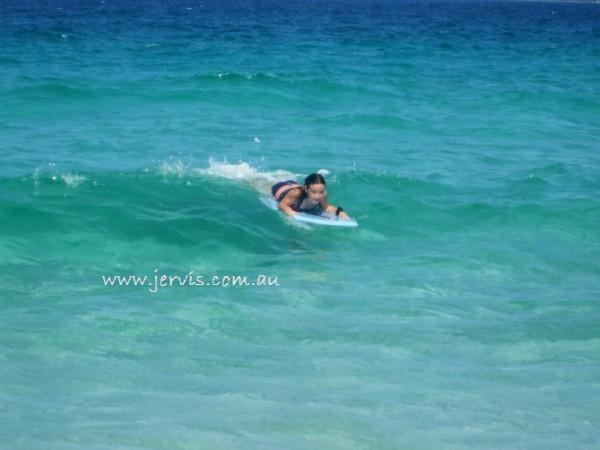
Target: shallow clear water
point(137, 140)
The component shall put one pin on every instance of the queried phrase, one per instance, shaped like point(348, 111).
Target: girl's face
point(315, 192)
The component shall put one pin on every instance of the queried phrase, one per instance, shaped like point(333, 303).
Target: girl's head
point(314, 185)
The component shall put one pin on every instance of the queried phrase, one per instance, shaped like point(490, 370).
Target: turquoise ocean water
point(137, 138)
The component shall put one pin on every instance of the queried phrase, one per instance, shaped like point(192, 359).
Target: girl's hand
point(344, 216)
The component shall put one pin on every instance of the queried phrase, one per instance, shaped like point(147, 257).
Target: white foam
point(36, 175)
point(72, 180)
point(176, 168)
point(244, 172)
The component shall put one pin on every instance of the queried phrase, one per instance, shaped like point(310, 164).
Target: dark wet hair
point(314, 178)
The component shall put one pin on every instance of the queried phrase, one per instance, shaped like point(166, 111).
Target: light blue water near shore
point(462, 313)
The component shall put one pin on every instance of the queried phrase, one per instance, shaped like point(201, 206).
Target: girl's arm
point(332, 209)
point(290, 198)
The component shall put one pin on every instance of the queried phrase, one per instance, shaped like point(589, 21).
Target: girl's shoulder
point(294, 192)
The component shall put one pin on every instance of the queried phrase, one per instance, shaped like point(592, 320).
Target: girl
point(311, 198)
